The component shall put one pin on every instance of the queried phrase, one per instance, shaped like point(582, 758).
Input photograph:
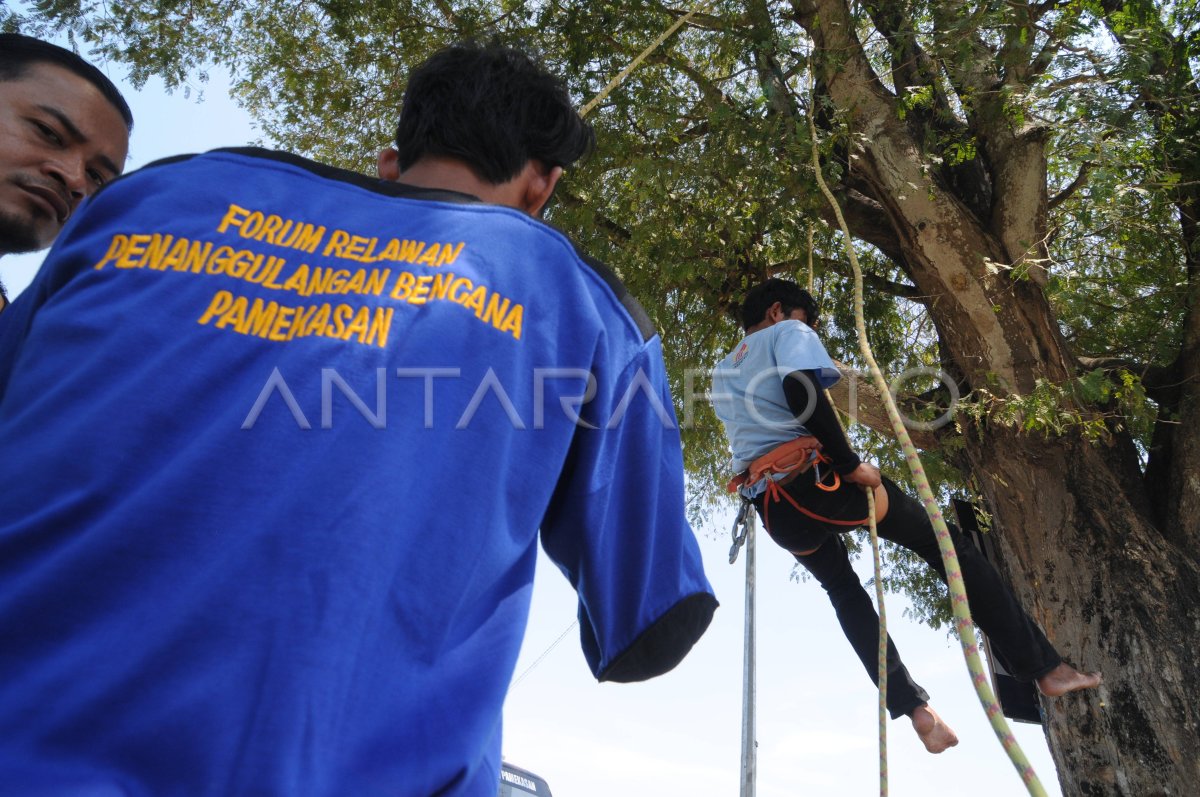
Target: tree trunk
point(1112, 594)
point(1183, 482)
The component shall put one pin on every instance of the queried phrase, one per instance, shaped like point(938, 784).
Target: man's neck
point(448, 174)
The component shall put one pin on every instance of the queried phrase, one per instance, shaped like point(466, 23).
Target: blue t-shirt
point(748, 392)
point(276, 442)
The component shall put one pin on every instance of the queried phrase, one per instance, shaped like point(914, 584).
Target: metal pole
point(749, 744)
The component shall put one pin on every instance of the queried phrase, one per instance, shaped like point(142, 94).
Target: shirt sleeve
point(812, 408)
point(797, 348)
point(617, 529)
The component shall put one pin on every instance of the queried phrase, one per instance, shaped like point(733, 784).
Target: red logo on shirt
point(741, 354)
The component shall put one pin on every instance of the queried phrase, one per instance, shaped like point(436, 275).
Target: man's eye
point(49, 133)
point(96, 177)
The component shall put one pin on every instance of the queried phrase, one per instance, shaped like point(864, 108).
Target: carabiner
point(837, 480)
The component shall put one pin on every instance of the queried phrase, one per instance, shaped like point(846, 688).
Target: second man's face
point(60, 140)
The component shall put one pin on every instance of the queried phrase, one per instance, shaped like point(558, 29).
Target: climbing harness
point(781, 465)
point(786, 460)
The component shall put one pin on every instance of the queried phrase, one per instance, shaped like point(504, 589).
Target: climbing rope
point(643, 55)
point(545, 653)
point(883, 674)
point(882, 654)
point(810, 257)
point(958, 595)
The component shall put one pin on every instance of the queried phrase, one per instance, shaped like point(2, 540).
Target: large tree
point(1021, 180)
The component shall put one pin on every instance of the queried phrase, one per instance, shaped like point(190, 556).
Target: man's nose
point(71, 173)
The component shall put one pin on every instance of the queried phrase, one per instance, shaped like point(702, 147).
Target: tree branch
point(873, 282)
point(610, 227)
point(867, 407)
point(868, 222)
point(1080, 180)
point(705, 21)
point(843, 66)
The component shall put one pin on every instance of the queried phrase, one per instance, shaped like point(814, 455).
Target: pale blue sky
point(680, 734)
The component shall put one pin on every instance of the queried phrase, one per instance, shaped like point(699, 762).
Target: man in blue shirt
point(278, 441)
point(770, 391)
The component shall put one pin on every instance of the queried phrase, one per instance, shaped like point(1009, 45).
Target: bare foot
point(936, 735)
point(1065, 678)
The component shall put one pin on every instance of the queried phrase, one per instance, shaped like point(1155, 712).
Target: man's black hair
point(790, 295)
point(18, 53)
point(492, 107)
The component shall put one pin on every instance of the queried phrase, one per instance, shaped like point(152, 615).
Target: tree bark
point(1131, 612)
point(1183, 520)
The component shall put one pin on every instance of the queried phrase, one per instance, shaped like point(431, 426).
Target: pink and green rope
point(954, 579)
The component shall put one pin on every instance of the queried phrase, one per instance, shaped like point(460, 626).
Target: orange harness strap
point(774, 491)
point(793, 458)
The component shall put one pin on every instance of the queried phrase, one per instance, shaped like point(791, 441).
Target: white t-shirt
point(748, 387)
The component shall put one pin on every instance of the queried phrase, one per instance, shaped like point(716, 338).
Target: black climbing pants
point(1016, 640)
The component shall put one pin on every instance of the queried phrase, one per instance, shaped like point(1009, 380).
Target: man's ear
point(388, 165)
point(775, 312)
point(539, 186)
